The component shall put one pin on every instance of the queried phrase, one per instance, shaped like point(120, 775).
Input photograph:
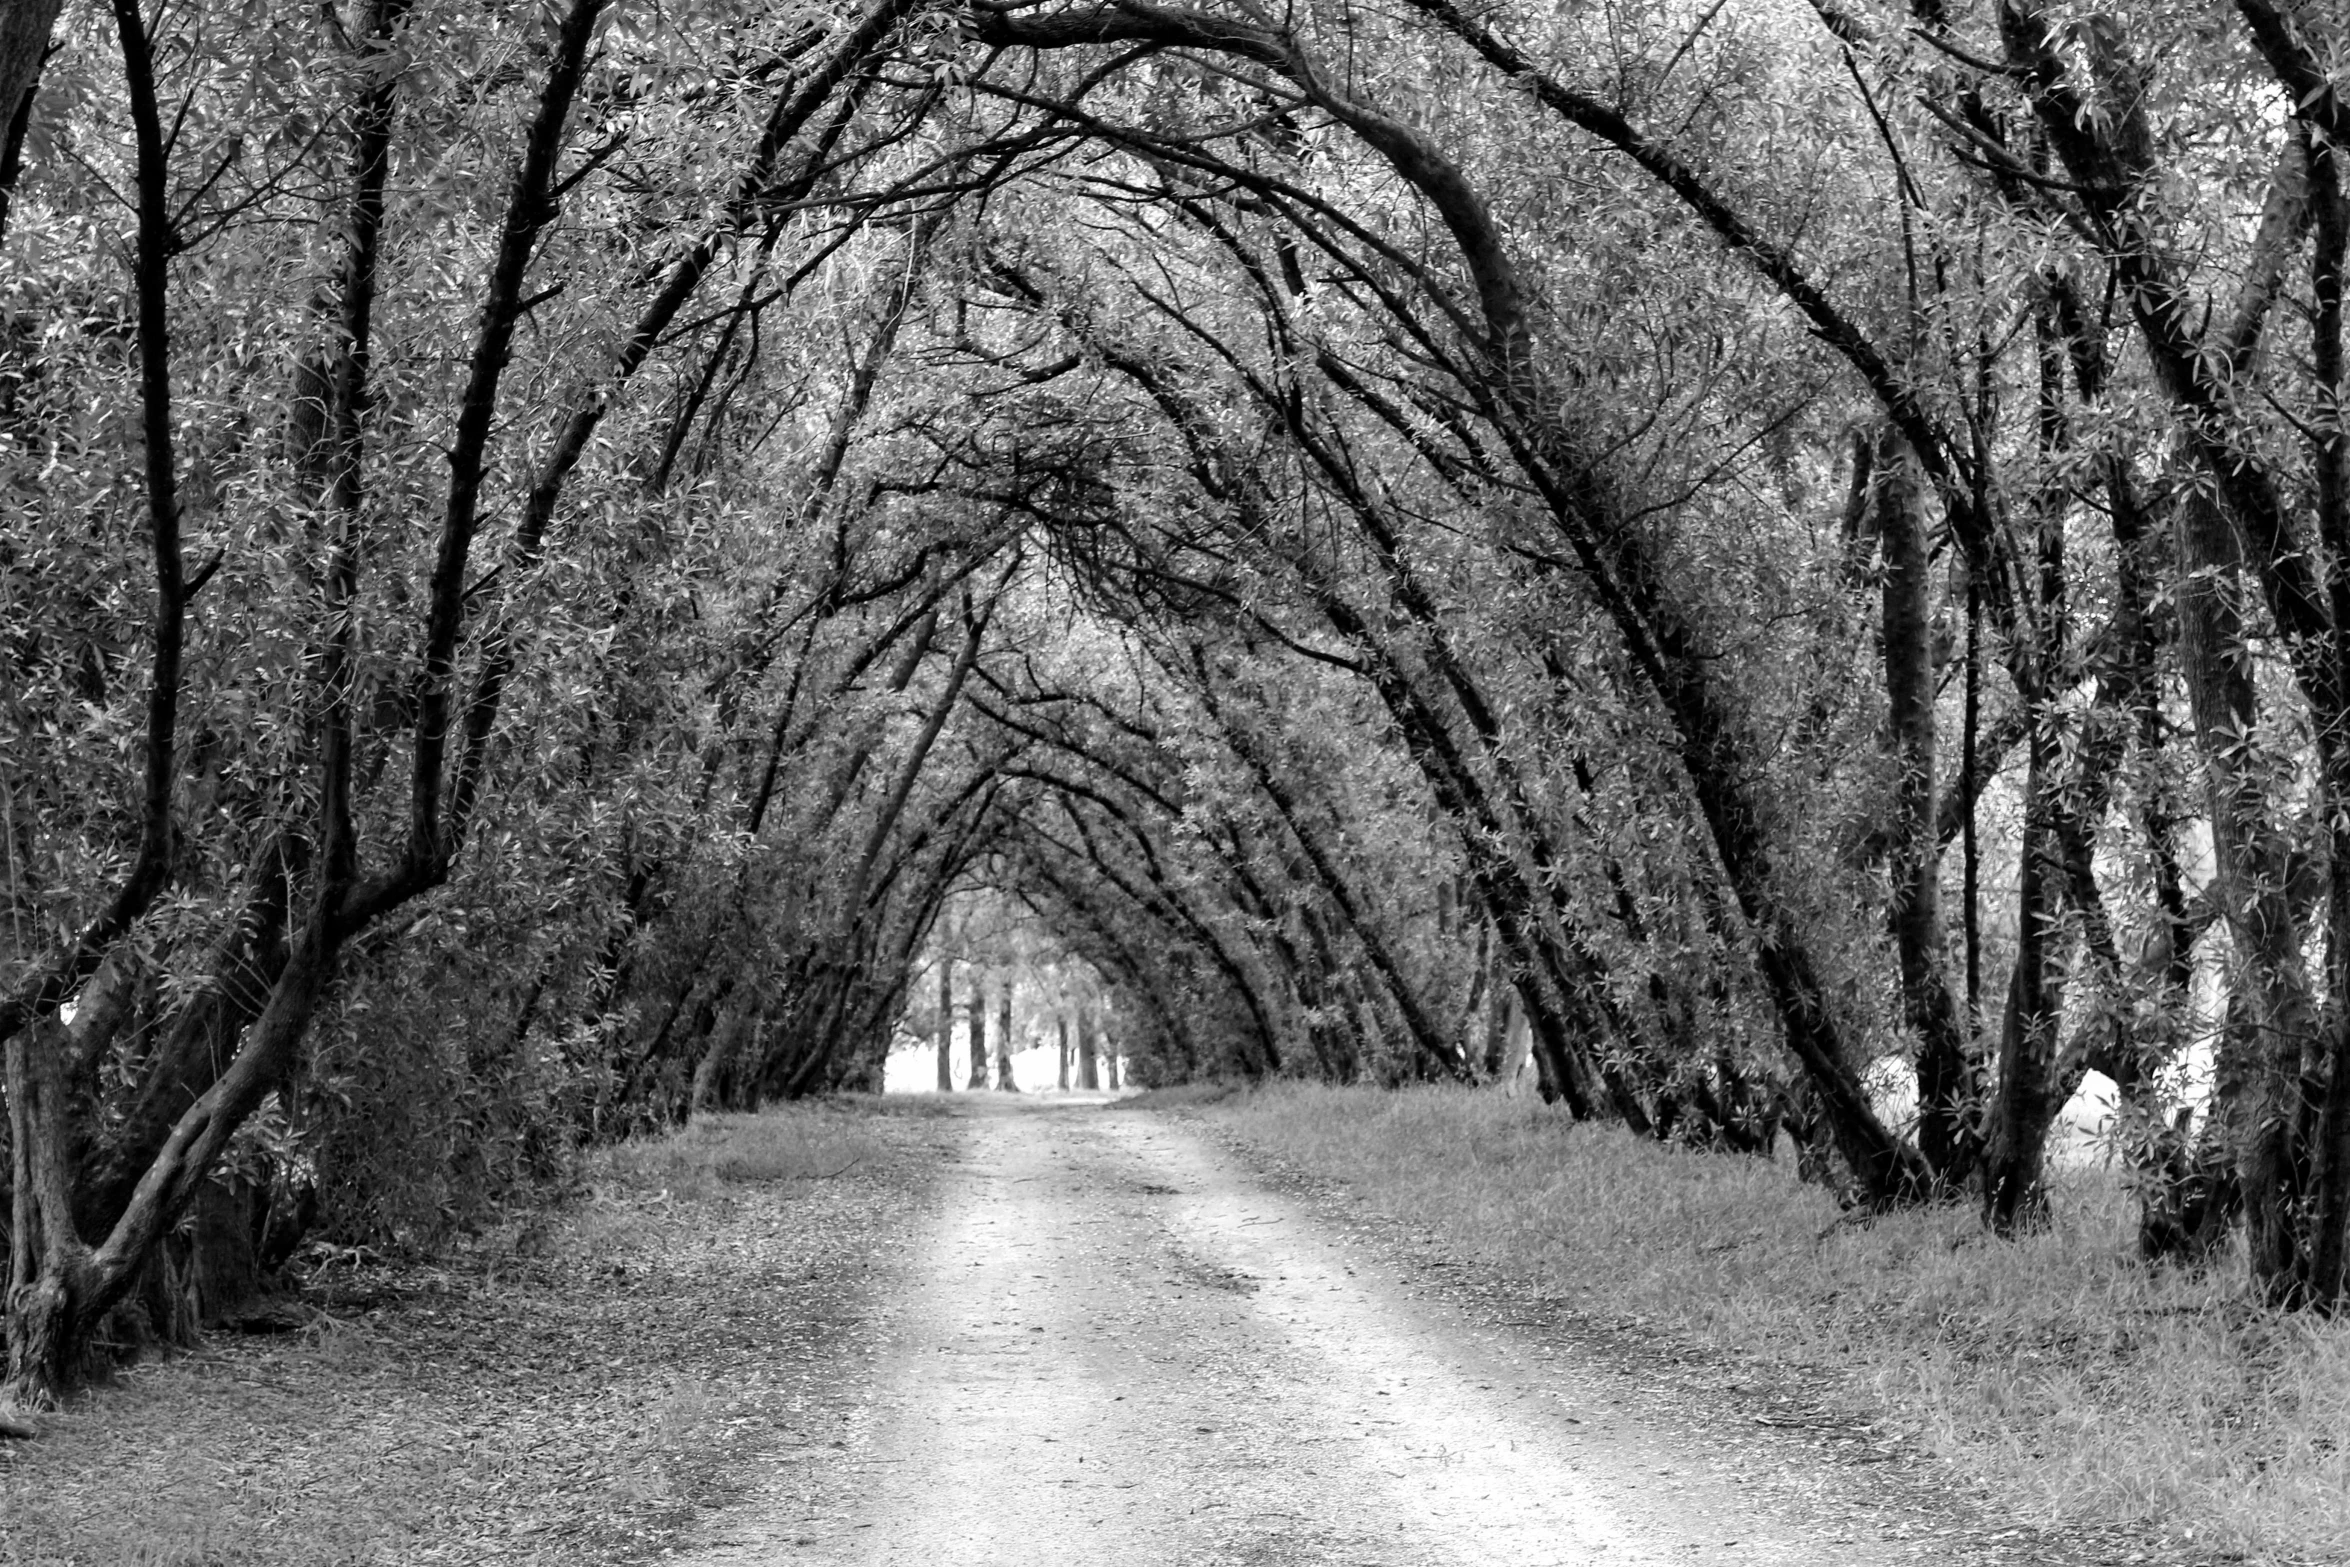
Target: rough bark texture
point(49, 1266)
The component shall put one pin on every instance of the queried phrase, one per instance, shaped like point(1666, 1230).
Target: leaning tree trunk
point(24, 44)
point(716, 1071)
point(62, 1287)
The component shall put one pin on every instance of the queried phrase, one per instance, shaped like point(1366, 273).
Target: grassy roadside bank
point(575, 1386)
point(2055, 1372)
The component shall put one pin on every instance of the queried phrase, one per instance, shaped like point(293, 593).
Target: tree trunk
point(1501, 1004)
point(24, 42)
point(1088, 1064)
point(711, 1069)
point(945, 1032)
point(2026, 1103)
point(1945, 1082)
point(2256, 1080)
point(2330, 456)
point(197, 1042)
point(60, 1289)
point(49, 1272)
point(978, 1069)
point(1516, 1044)
point(1475, 1005)
point(1061, 1029)
point(1003, 1042)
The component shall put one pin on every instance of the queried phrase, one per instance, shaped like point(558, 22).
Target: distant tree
point(1003, 1041)
point(978, 1030)
point(1088, 1061)
point(945, 1027)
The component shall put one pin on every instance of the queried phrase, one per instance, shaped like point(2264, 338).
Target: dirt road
point(1115, 1345)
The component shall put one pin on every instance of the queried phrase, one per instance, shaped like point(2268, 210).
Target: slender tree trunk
point(1944, 1080)
point(1514, 1045)
point(1061, 1031)
point(2330, 457)
point(1970, 783)
point(1474, 1001)
point(1088, 1063)
point(945, 1032)
point(978, 1062)
point(2023, 1107)
point(1003, 1042)
point(1500, 1001)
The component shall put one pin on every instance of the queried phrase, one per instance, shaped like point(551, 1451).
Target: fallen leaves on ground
point(574, 1387)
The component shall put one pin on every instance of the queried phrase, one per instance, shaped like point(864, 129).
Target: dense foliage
point(560, 555)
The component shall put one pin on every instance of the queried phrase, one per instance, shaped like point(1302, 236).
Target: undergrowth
point(808, 1142)
point(2065, 1376)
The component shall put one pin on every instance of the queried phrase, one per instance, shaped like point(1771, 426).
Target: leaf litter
point(578, 1384)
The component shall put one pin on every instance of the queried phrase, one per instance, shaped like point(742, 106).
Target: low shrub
point(802, 1142)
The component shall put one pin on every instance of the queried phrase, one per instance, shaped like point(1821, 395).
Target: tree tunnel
point(559, 551)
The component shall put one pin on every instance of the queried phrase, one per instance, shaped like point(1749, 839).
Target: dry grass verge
point(575, 1387)
point(1180, 1096)
point(2065, 1378)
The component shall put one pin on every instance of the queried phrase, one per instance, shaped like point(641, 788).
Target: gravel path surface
point(1113, 1344)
